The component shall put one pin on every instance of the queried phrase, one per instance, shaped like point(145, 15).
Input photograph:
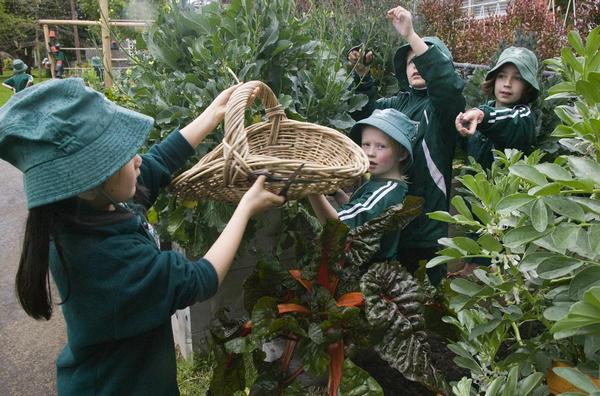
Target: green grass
point(5, 94)
point(193, 378)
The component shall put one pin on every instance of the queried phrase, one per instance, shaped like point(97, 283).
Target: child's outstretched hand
point(257, 199)
point(361, 64)
point(466, 123)
point(401, 18)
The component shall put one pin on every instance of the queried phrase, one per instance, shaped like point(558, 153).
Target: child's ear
point(402, 155)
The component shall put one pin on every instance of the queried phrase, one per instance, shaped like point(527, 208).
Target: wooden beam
point(104, 17)
point(94, 23)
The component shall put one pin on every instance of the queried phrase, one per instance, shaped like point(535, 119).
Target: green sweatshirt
point(19, 81)
point(435, 108)
point(501, 129)
point(122, 290)
point(369, 201)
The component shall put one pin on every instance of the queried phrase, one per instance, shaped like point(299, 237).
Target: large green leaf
point(528, 173)
point(394, 302)
point(513, 202)
point(577, 378)
point(557, 267)
point(565, 207)
point(539, 215)
point(583, 317)
point(584, 281)
point(554, 171)
point(522, 235)
point(585, 168)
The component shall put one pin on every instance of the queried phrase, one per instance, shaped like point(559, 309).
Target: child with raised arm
point(87, 191)
point(386, 138)
point(431, 94)
point(506, 121)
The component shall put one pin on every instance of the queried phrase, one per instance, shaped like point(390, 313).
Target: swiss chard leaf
point(363, 241)
point(395, 301)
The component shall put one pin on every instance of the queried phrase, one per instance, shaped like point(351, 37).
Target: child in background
point(20, 80)
point(507, 121)
point(431, 94)
point(386, 138)
point(87, 191)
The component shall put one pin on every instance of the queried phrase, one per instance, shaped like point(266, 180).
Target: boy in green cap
point(20, 80)
point(386, 137)
point(431, 94)
point(506, 121)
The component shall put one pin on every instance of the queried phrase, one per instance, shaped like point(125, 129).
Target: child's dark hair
point(529, 93)
point(45, 224)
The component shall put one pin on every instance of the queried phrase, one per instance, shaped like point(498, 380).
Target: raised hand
point(401, 18)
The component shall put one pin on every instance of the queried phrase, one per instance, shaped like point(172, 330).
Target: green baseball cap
point(524, 60)
point(67, 138)
point(19, 66)
point(393, 123)
point(402, 54)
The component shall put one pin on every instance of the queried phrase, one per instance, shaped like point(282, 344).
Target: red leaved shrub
point(474, 40)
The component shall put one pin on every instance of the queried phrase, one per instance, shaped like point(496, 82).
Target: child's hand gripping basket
point(276, 148)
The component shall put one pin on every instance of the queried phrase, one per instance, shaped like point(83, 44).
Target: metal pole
point(104, 16)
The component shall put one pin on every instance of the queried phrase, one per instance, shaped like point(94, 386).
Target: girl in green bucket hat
point(386, 137)
point(20, 80)
point(87, 192)
point(506, 121)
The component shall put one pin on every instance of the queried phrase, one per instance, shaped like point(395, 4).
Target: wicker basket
point(276, 147)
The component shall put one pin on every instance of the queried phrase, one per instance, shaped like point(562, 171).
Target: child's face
point(121, 185)
point(509, 86)
point(384, 153)
point(412, 74)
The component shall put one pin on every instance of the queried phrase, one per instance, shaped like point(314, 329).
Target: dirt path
point(28, 348)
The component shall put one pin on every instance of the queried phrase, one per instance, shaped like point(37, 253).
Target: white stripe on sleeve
point(369, 203)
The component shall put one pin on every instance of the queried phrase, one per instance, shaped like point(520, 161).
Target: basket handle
point(235, 141)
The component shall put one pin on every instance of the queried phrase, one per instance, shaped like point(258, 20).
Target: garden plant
point(538, 223)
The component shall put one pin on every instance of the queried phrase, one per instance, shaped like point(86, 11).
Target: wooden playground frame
point(104, 23)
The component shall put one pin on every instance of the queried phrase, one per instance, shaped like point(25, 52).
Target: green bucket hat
point(393, 123)
point(19, 66)
point(402, 54)
point(96, 61)
point(67, 138)
point(524, 60)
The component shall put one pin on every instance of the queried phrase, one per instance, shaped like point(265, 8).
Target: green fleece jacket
point(435, 108)
point(369, 201)
point(122, 290)
point(512, 127)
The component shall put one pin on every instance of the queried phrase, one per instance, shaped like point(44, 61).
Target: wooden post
point(75, 32)
point(104, 16)
point(50, 56)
